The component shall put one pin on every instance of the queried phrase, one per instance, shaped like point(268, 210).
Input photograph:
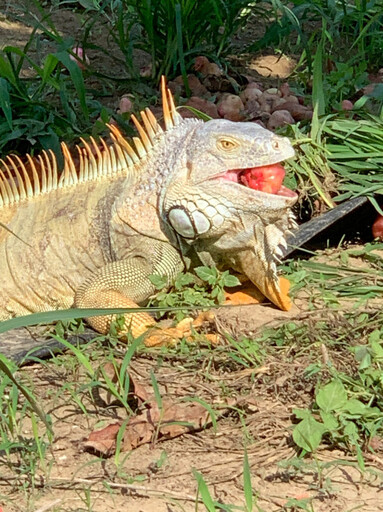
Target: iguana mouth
point(266, 178)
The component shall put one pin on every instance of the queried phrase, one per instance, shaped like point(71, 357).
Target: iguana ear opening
point(171, 116)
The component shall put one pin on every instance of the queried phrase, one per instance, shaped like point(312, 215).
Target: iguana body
point(92, 236)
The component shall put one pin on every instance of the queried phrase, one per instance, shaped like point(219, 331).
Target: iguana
point(91, 236)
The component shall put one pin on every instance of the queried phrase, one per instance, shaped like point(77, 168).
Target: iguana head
point(209, 203)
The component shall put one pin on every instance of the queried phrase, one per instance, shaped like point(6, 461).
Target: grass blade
point(5, 101)
point(248, 490)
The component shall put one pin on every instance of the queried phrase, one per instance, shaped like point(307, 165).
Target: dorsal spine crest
point(20, 181)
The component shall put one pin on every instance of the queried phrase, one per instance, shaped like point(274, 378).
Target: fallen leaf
point(104, 441)
point(178, 418)
point(139, 430)
point(173, 420)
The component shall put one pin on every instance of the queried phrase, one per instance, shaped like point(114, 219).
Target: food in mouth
point(267, 178)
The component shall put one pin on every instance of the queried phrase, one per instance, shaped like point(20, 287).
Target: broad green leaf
point(158, 281)
point(302, 414)
point(231, 281)
point(308, 434)
point(350, 430)
point(354, 407)
point(332, 396)
point(377, 350)
point(207, 274)
point(329, 421)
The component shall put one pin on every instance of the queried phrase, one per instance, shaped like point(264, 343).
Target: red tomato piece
point(267, 178)
point(377, 227)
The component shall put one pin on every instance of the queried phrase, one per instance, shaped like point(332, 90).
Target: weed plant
point(170, 31)
point(353, 29)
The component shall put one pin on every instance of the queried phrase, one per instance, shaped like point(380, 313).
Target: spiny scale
point(20, 181)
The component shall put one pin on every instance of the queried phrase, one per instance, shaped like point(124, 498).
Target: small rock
point(299, 112)
point(250, 94)
point(201, 104)
point(261, 123)
point(205, 67)
point(267, 101)
point(347, 105)
point(280, 118)
point(377, 227)
point(215, 84)
point(196, 87)
point(281, 101)
point(253, 108)
point(126, 103)
point(231, 107)
point(285, 90)
point(177, 86)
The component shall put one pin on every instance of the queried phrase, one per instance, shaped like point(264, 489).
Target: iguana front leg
point(126, 284)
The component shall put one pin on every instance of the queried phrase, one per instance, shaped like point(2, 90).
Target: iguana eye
point(227, 144)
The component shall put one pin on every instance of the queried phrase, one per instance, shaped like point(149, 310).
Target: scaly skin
point(89, 240)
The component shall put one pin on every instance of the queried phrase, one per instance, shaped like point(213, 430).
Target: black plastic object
point(318, 226)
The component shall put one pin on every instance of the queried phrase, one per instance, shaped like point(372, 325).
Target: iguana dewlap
point(92, 235)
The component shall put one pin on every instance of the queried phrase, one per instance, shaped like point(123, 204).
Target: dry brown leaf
point(141, 429)
point(104, 440)
point(194, 414)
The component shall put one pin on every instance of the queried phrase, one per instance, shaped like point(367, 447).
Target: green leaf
point(331, 397)
point(5, 101)
point(308, 434)
point(6, 71)
point(231, 281)
point(360, 458)
point(207, 274)
point(158, 281)
point(247, 487)
point(362, 354)
point(77, 79)
point(329, 421)
point(318, 94)
point(354, 407)
point(351, 430)
point(377, 350)
point(203, 491)
point(302, 414)
point(50, 65)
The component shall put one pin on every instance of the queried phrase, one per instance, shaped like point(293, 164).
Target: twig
point(138, 489)
point(63, 483)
